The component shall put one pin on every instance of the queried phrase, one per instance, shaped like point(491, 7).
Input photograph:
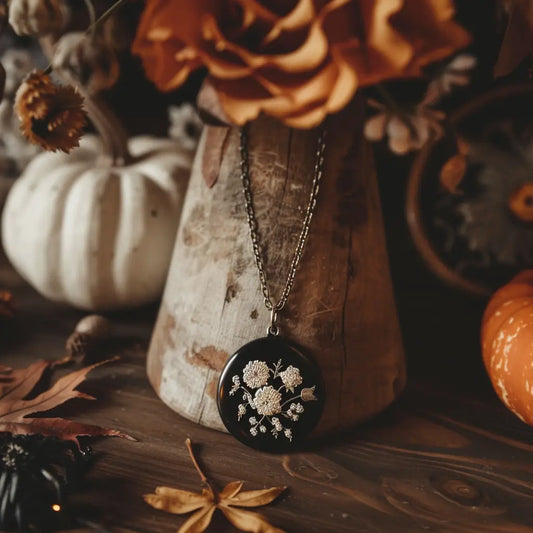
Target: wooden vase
point(341, 309)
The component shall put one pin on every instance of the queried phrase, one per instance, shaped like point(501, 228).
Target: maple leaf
point(15, 410)
point(228, 500)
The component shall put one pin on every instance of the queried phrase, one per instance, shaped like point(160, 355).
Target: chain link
point(274, 308)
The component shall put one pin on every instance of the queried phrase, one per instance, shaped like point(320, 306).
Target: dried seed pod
point(88, 60)
point(89, 332)
point(37, 18)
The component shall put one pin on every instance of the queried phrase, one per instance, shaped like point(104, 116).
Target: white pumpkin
point(93, 235)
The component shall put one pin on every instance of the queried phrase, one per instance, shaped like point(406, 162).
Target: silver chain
point(274, 308)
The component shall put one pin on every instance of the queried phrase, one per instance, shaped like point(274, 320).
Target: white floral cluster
point(267, 400)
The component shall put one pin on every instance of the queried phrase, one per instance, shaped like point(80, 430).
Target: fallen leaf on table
point(228, 500)
point(15, 410)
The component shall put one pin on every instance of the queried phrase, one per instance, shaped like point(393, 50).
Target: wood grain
point(442, 459)
point(341, 309)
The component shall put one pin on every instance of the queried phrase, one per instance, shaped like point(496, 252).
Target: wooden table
point(447, 457)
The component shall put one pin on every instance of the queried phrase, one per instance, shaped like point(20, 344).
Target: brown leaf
point(199, 521)
point(452, 173)
point(215, 141)
point(254, 498)
point(177, 501)
point(232, 488)
point(205, 504)
point(248, 521)
point(15, 410)
point(19, 383)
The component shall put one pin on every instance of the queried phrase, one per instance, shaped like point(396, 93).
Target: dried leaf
point(452, 173)
point(177, 501)
point(199, 521)
point(254, 498)
point(207, 502)
point(15, 409)
point(248, 521)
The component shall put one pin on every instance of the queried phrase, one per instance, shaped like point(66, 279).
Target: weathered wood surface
point(447, 457)
point(341, 309)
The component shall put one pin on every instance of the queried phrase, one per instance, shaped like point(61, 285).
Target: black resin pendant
point(270, 395)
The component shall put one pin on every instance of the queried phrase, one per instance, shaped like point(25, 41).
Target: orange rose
point(297, 60)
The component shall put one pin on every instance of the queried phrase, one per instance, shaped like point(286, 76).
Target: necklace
point(270, 393)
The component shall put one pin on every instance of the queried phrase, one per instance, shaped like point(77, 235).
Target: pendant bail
point(273, 328)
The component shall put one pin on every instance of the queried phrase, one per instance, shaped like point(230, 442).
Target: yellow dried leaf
point(254, 498)
point(452, 173)
point(179, 501)
point(248, 521)
point(231, 489)
point(199, 521)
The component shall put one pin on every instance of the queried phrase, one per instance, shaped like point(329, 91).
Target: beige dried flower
point(406, 131)
point(51, 116)
point(37, 18)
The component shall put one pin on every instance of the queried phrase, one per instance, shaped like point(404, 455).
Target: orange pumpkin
point(507, 344)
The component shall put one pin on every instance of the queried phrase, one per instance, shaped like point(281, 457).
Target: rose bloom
point(296, 60)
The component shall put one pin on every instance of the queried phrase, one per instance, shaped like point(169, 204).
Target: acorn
point(88, 334)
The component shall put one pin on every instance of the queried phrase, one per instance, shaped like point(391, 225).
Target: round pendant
point(270, 395)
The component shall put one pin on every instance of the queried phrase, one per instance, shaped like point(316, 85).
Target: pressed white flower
point(295, 417)
point(236, 380)
point(288, 434)
point(256, 374)
point(253, 431)
point(275, 433)
point(252, 420)
point(308, 395)
point(262, 428)
point(241, 410)
point(185, 125)
point(267, 401)
point(299, 408)
point(291, 378)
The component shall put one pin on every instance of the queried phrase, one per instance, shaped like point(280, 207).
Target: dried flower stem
point(204, 479)
point(105, 15)
point(92, 16)
point(111, 130)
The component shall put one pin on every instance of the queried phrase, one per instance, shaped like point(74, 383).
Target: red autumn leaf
point(15, 409)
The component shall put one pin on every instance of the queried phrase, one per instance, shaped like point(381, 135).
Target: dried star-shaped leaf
point(208, 501)
point(15, 410)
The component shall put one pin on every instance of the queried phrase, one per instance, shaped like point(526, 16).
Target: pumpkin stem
point(110, 129)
